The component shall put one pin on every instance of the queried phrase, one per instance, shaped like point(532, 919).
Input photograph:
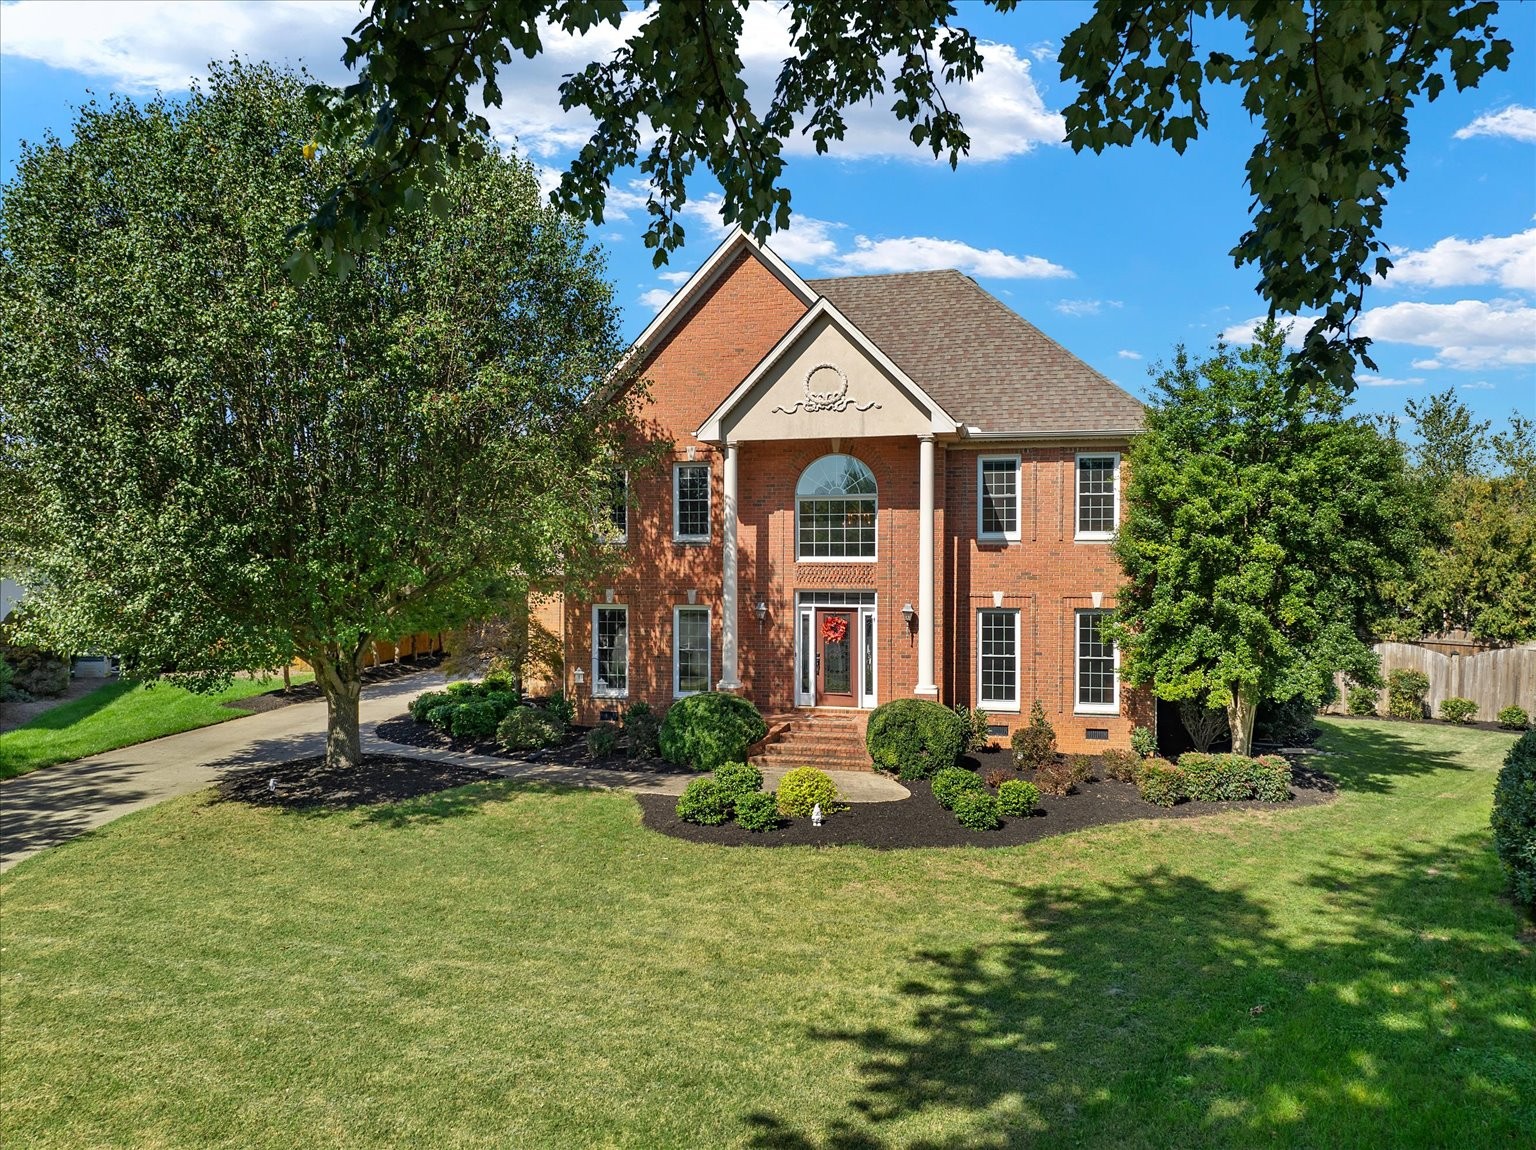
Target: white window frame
point(1078, 706)
point(606, 692)
point(1078, 533)
point(677, 666)
point(1018, 499)
point(1000, 705)
point(677, 503)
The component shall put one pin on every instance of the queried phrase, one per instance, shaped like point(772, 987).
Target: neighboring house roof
point(987, 366)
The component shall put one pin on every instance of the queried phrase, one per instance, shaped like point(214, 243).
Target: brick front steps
point(829, 740)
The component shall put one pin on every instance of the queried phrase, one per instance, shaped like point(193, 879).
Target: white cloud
point(1082, 307)
point(1480, 385)
point(928, 253)
point(1125, 353)
point(1509, 261)
point(677, 278)
point(1294, 326)
point(1514, 122)
point(1365, 379)
point(1467, 335)
point(655, 299)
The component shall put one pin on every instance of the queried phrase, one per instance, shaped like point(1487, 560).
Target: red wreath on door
point(834, 628)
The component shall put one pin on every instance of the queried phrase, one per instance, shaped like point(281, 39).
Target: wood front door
point(836, 643)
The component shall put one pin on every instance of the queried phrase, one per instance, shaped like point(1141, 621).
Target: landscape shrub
point(1217, 778)
point(505, 703)
point(978, 810)
point(7, 692)
point(804, 787)
point(1144, 742)
point(425, 702)
point(951, 782)
point(1034, 745)
point(1514, 818)
point(738, 780)
point(1018, 799)
point(463, 689)
point(440, 717)
point(497, 683)
point(978, 737)
point(1405, 693)
point(475, 721)
point(642, 731)
point(1206, 725)
point(915, 738)
point(704, 802)
point(758, 812)
point(1062, 778)
point(705, 730)
point(1514, 719)
point(37, 672)
point(1271, 775)
point(1363, 700)
point(602, 740)
point(1161, 783)
point(1457, 710)
point(1122, 765)
point(561, 708)
point(529, 728)
point(1292, 723)
point(997, 776)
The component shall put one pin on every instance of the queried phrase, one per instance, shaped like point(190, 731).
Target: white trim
point(709, 523)
point(1078, 706)
point(709, 659)
point(1018, 499)
point(610, 692)
point(1001, 706)
point(796, 497)
point(940, 421)
point(1081, 536)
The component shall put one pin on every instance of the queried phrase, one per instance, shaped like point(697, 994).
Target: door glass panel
point(836, 652)
point(869, 656)
point(807, 656)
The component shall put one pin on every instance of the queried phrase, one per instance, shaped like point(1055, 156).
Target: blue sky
point(1119, 257)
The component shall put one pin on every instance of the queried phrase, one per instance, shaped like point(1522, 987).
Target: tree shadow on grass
point(1167, 1011)
point(1370, 757)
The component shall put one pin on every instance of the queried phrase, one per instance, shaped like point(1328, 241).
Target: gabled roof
point(985, 365)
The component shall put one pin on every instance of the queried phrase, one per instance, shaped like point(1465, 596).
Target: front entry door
point(836, 639)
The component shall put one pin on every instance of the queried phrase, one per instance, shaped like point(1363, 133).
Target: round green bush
point(1018, 799)
point(602, 740)
point(738, 779)
point(1514, 818)
point(757, 812)
point(505, 703)
point(1362, 700)
point(642, 732)
point(952, 782)
point(529, 728)
point(1405, 693)
point(1161, 783)
point(422, 704)
point(1456, 710)
point(476, 721)
point(464, 689)
point(704, 802)
point(440, 717)
point(802, 789)
point(1514, 719)
point(703, 731)
point(915, 738)
point(978, 810)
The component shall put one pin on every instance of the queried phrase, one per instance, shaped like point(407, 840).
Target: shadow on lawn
point(1371, 757)
point(1167, 1011)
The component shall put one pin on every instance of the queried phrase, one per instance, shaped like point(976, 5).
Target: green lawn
point(118, 715)
point(504, 966)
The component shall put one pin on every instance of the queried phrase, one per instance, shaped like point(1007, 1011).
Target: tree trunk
point(1241, 712)
point(339, 673)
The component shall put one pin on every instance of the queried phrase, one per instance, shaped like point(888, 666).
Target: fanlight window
point(835, 506)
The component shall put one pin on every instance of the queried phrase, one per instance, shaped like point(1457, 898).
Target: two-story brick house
point(881, 487)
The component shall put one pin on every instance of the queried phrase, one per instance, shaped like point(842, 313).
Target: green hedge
point(704, 731)
point(915, 738)
point(1514, 818)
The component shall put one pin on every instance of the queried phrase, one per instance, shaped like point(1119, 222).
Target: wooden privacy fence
point(1492, 679)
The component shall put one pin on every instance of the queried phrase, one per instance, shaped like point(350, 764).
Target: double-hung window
point(610, 651)
point(690, 650)
point(997, 490)
point(690, 503)
point(1098, 663)
point(1098, 496)
point(615, 528)
point(997, 633)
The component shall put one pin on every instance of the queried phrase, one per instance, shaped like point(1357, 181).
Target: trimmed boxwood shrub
point(1405, 693)
point(529, 728)
point(977, 810)
point(1514, 719)
point(642, 731)
point(463, 689)
point(504, 702)
point(476, 721)
point(705, 802)
point(802, 788)
point(915, 738)
point(1121, 765)
point(1034, 745)
point(440, 717)
point(952, 782)
point(1161, 783)
point(602, 740)
point(1363, 700)
point(1018, 799)
point(1514, 818)
point(738, 780)
point(705, 730)
point(425, 702)
point(758, 812)
point(1457, 710)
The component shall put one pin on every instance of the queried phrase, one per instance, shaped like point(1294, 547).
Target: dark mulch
point(409, 733)
point(308, 692)
point(308, 784)
point(921, 822)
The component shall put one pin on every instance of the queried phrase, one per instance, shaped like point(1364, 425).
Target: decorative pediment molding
point(835, 399)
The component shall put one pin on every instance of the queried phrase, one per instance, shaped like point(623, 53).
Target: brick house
point(881, 487)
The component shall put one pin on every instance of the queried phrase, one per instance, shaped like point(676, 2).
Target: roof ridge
point(890, 275)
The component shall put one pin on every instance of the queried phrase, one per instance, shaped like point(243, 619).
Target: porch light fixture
point(760, 610)
point(581, 676)
point(908, 614)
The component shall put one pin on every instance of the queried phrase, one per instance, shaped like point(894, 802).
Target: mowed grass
point(503, 966)
point(119, 714)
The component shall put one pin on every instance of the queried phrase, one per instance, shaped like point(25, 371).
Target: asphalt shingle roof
point(982, 362)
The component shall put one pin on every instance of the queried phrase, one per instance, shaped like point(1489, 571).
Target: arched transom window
point(835, 509)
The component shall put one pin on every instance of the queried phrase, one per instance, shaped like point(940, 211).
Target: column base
point(728, 685)
point(925, 689)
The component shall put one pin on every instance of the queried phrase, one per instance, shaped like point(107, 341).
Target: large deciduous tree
point(1331, 84)
point(1263, 526)
point(229, 470)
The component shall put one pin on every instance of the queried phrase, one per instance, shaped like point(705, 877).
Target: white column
point(730, 677)
point(925, 683)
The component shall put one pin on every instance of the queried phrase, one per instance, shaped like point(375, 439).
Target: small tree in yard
point(1262, 526)
point(229, 470)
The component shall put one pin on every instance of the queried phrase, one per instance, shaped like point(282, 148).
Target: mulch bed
point(308, 784)
point(308, 692)
point(409, 733)
point(921, 822)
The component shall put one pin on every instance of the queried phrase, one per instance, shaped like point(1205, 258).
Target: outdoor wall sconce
point(909, 615)
point(761, 611)
point(581, 676)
